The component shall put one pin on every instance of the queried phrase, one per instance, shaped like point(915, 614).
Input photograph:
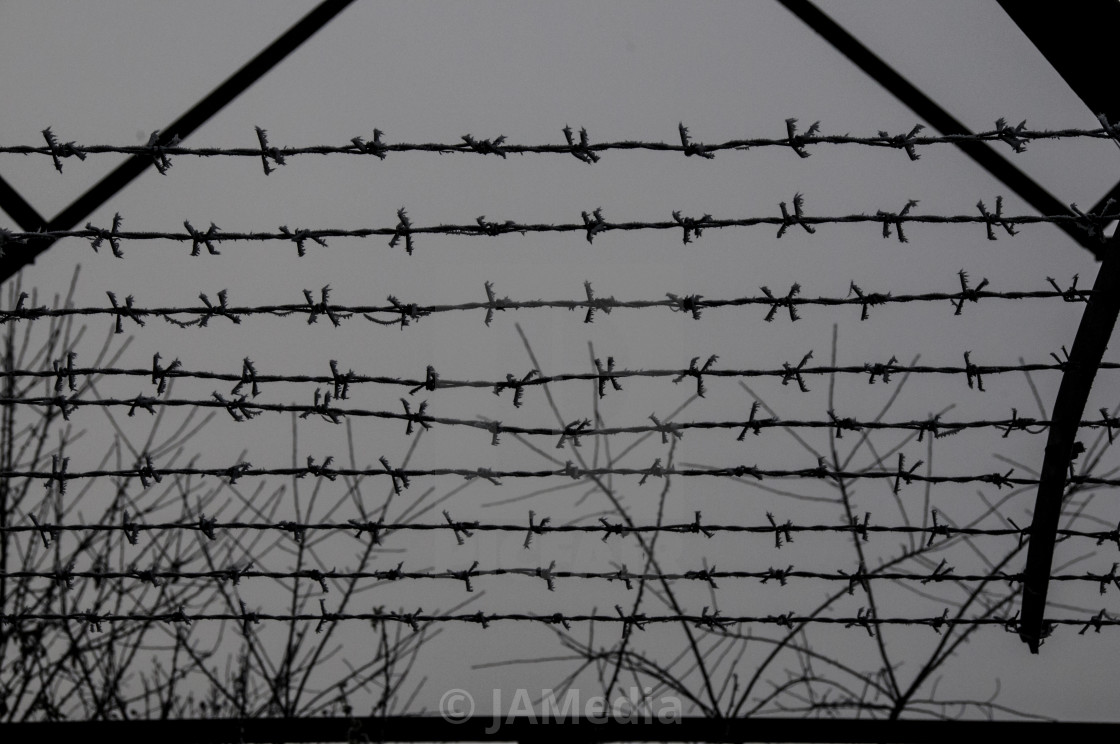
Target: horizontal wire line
point(402, 476)
point(66, 374)
point(242, 410)
point(865, 620)
point(1016, 137)
point(548, 574)
point(606, 529)
point(408, 313)
point(592, 224)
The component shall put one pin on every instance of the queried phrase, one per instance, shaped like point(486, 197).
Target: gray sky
point(112, 72)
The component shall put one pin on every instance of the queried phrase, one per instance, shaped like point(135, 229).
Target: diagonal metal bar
point(1086, 64)
point(108, 187)
point(1079, 46)
point(937, 117)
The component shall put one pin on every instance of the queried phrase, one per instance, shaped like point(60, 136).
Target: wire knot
point(235, 472)
point(322, 307)
point(692, 148)
point(1095, 223)
point(967, 294)
point(268, 153)
point(494, 229)
point(160, 374)
point(610, 529)
point(300, 237)
point(486, 147)
point(788, 302)
point(655, 469)
point(999, 480)
point(1012, 135)
point(753, 423)
point(593, 223)
point(666, 430)
point(693, 227)
point(972, 372)
point(1095, 622)
point(867, 300)
point(199, 239)
point(990, 220)
point(373, 528)
point(518, 386)
point(493, 303)
point(148, 474)
point(686, 304)
point(460, 529)
point(375, 147)
point(546, 575)
point(881, 370)
point(794, 374)
point(239, 409)
point(158, 152)
point(322, 408)
point(859, 577)
point(573, 431)
point(322, 470)
point(605, 376)
point(58, 474)
point(213, 311)
point(60, 150)
point(843, 424)
point(594, 303)
point(780, 531)
point(431, 381)
point(712, 621)
point(797, 141)
point(402, 230)
point(896, 219)
point(535, 528)
point(465, 575)
point(781, 575)
point(1073, 294)
point(797, 218)
point(415, 418)
point(582, 150)
point(400, 478)
point(100, 235)
point(865, 618)
point(697, 373)
point(64, 372)
point(902, 474)
point(248, 378)
point(905, 141)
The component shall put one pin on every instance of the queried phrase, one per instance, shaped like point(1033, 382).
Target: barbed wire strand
point(244, 410)
point(407, 313)
point(376, 530)
point(60, 473)
point(591, 225)
point(865, 619)
point(1016, 137)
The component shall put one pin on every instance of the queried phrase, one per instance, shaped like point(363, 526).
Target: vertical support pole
point(1093, 334)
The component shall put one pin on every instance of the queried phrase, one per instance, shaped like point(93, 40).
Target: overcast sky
point(113, 72)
